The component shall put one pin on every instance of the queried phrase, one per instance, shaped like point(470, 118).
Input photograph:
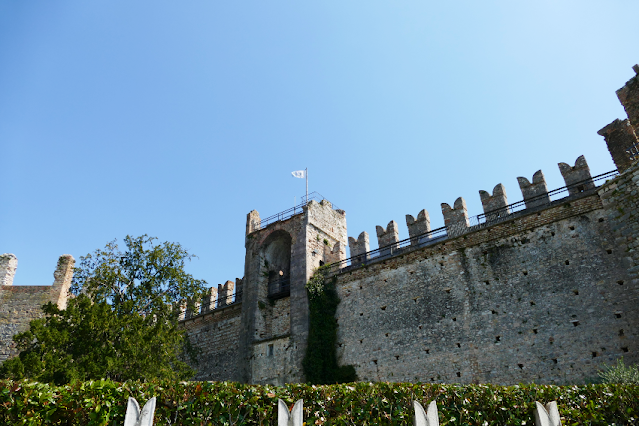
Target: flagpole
point(306, 184)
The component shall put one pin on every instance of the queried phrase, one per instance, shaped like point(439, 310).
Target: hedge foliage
point(224, 403)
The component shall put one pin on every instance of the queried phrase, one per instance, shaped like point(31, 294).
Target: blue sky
point(175, 119)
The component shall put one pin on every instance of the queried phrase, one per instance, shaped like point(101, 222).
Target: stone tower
point(280, 259)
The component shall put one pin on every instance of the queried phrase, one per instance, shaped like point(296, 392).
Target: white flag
point(299, 174)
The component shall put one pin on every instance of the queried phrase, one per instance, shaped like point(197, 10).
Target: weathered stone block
point(418, 227)
point(455, 218)
point(577, 178)
point(359, 247)
point(8, 266)
point(387, 238)
point(629, 97)
point(535, 193)
point(495, 206)
point(620, 138)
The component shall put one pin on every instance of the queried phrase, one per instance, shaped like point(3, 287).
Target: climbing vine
point(320, 362)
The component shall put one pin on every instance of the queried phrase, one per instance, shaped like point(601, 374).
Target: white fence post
point(429, 417)
point(547, 416)
point(134, 417)
point(294, 418)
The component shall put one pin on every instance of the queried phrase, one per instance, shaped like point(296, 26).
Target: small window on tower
point(269, 350)
point(321, 263)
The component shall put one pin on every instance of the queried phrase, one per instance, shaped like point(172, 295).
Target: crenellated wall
point(21, 304)
point(545, 289)
point(535, 298)
point(216, 333)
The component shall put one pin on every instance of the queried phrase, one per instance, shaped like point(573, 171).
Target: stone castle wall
point(543, 297)
point(216, 333)
point(547, 294)
point(21, 304)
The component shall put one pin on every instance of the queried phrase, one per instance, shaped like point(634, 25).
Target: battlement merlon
point(579, 173)
point(456, 218)
point(359, 247)
point(535, 193)
point(628, 95)
point(224, 293)
point(417, 227)
point(209, 300)
point(495, 205)
point(389, 235)
point(8, 266)
point(619, 136)
point(239, 287)
point(252, 221)
point(192, 307)
point(63, 276)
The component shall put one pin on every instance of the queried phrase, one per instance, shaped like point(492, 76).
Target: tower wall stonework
point(21, 304)
point(629, 97)
point(273, 331)
point(620, 138)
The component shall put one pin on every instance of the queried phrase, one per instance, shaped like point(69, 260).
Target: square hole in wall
point(269, 350)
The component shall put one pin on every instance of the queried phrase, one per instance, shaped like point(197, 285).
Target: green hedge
point(224, 403)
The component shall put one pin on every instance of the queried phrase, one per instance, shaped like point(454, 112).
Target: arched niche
point(276, 258)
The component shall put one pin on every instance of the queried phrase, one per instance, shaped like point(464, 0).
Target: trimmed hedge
point(225, 403)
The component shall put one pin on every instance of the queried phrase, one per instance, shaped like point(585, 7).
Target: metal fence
point(228, 300)
point(287, 214)
point(540, 200)
point(479, 220)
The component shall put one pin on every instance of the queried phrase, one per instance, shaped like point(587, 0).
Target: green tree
point(122, 324)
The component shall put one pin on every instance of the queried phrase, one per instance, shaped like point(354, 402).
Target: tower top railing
point(288, 213)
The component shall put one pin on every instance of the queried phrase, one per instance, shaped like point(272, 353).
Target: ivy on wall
point(320, 362)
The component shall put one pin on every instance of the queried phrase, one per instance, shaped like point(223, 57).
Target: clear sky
point(176, 119)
